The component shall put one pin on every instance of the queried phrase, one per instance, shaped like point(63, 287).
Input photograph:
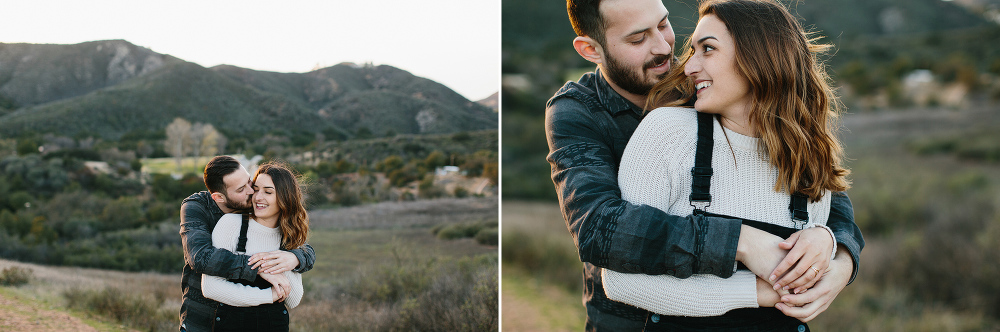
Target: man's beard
point(238, 206)
point(629, 80)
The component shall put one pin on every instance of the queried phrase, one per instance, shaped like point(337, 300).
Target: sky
point(453, 42)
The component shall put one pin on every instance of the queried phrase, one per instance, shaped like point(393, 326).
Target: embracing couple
point(244, 243)
point(730, 216)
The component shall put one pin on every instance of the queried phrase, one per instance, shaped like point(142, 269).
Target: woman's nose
point(692, 66)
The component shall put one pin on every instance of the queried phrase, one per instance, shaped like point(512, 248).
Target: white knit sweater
point(259, 239)
point(656, 171)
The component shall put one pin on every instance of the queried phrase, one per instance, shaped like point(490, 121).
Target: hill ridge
point(110, 88)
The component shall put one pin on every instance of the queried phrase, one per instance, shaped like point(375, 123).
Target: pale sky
point(453, 42)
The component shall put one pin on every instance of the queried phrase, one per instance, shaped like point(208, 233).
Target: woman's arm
point(234, 294)
point(700, 295)
point(703, 295)
point(295, 297)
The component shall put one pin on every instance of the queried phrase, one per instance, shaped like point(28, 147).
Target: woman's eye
point(709, 48)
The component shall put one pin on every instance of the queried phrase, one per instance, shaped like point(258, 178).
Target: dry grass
point(423, 213)
point(158, 294)
point(386, 272)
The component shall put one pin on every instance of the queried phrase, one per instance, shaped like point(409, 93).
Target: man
point(229, 191)
point(589, 123)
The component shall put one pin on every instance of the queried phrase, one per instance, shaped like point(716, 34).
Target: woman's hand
point(276, 295)
point(766, 295)
point(811, 303)
point(759, 251)
point(809, 252)
point(274, 262)
point(280, 285)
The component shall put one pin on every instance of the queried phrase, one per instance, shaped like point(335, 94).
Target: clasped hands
point(788, 268)
point(271, 266)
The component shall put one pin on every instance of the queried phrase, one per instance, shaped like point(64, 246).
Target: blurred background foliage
point(921, 83)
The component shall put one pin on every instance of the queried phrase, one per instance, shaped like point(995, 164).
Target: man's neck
point(637, 100)
point(224, 208)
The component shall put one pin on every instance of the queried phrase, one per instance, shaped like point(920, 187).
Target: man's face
point(238, 189)
point(639, 43)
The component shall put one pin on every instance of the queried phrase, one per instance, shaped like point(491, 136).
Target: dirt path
point(20, 315)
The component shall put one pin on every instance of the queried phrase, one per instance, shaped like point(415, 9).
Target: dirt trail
point(18, 315)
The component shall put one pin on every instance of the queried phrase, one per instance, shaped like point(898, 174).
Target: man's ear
point(218, 197)
point(589, 49)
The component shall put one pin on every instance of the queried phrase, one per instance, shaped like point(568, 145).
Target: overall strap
point(241, 245)
point(701, 173)
point(798, 207)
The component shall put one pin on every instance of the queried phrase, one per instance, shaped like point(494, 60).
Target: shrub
point(135, 310)
point(461, 192)
point(453, 231)
point(15, 276)
point(462, 230)
point(488, 237)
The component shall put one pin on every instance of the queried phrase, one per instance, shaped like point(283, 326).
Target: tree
point(178, 138)
point(206, 141)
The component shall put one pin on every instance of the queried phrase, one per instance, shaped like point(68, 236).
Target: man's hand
point(808, 305)
point(274, 262)
point(759, 251)
point(280, 286)
point(809, 253)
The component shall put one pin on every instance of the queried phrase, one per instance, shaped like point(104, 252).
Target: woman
point(279, 222)
point(771, 134)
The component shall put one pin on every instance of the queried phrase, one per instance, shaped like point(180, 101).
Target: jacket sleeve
point(196, 241)
point(306, 256)
point(846, 232)
point(612, 233)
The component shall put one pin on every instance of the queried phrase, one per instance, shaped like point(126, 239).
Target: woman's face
point(720, 87)
point(265, 199)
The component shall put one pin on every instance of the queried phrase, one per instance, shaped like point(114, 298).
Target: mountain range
point(110, 88)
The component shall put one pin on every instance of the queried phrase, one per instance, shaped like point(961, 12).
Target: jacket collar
point(205, 198)
point(610, 98)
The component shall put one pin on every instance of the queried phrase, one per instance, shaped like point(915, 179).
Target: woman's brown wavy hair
point(292, 217)
point(794, 109)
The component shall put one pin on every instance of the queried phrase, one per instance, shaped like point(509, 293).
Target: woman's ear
point(589, 49)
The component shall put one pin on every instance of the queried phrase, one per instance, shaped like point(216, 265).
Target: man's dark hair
point(585, 16)
point(216, 169)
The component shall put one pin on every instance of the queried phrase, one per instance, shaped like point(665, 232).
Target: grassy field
point(371, 274)
point(931, 222)
point(169, 165)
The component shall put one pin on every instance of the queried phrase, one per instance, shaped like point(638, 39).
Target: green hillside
point(110, 88)
point(32, 74)
point(152, 101)
point(381, 99)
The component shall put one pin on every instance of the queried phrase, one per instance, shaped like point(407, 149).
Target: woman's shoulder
point(667, 124)
point(672, 116)
point(664, 136)
point(229, 221)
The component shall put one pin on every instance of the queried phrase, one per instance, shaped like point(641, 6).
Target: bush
point(461, 192)
point(136, 310)
point(462, 230)
point(416, 294)
point(454, 231)
point(15, 276)
point(488, 236)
